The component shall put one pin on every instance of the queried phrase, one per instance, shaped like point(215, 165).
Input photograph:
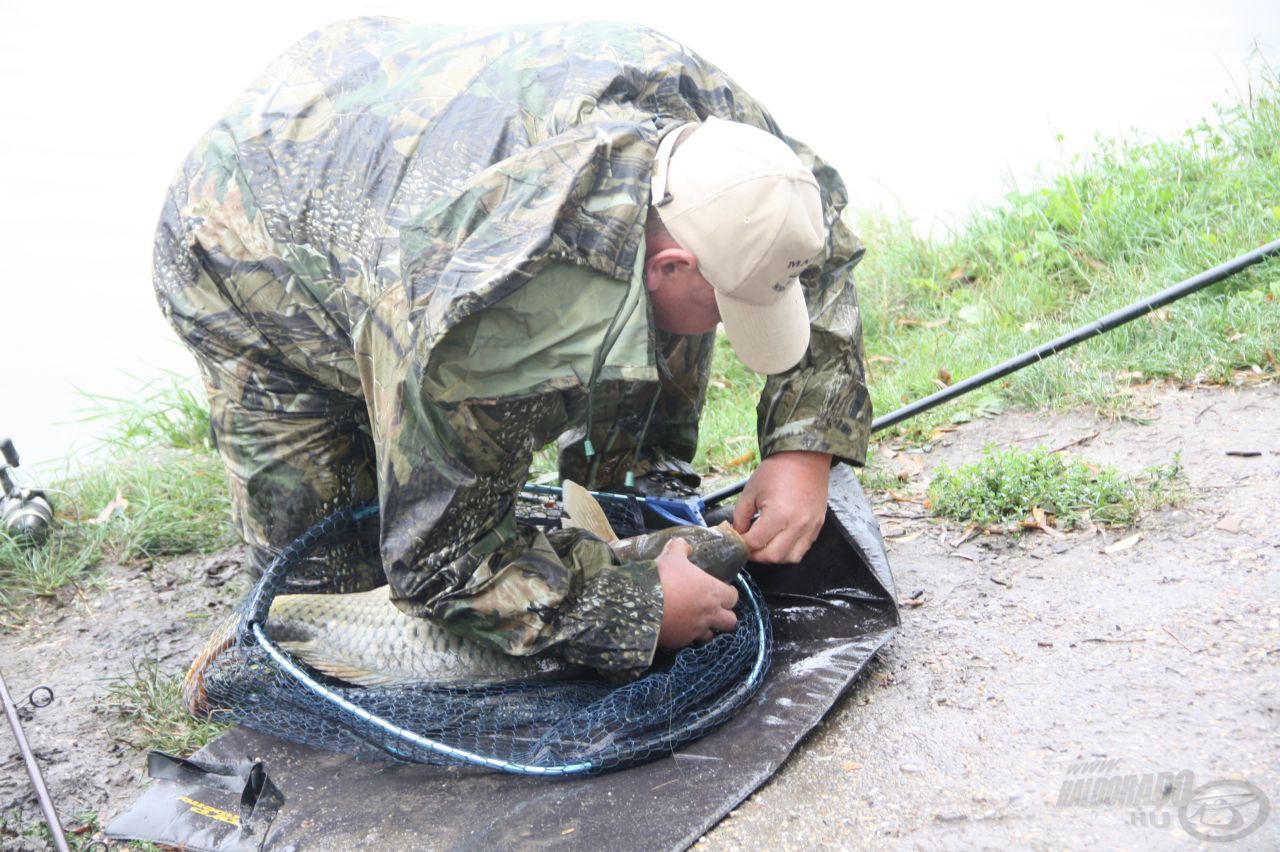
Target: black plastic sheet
point(831, 614)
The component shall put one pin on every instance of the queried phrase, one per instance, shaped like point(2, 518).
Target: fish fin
point(306, 651)
point(586, 512)
point(195, 696)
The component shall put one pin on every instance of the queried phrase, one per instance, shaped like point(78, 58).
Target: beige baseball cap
point(744, 204)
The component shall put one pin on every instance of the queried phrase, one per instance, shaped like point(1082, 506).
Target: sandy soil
point(1025, 657)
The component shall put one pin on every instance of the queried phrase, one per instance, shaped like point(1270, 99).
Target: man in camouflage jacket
point(409, 256)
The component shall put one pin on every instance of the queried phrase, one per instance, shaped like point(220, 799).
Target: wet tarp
point(831, 614)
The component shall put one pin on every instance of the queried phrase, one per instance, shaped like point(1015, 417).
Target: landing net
point(550, 728)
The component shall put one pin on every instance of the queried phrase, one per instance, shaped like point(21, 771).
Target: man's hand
point(694, 604)
point(789, 492)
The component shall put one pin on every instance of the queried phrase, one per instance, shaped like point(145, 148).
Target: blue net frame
point(542, 728)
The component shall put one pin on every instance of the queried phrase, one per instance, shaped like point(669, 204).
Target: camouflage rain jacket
point(437, 236)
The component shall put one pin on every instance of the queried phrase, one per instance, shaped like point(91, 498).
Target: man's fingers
point(678, 546)
point(763, 531)
point(789, 545)
point(728, 596)
point(743, 511)
point(724, 621)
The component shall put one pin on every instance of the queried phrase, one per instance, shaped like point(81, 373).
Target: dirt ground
point(1031, 656)
point(1023, 662)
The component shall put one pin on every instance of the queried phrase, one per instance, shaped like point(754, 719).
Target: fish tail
point(195, 695)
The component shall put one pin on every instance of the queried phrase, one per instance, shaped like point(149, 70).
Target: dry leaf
point(1230, 523)
point(903, 539)
point(1123, 544)
point(944, 375)
point(1041, 521)
point(912, 321)
point(1092, 261)
point(880, 359)
point(115, 507)
point(909, 466)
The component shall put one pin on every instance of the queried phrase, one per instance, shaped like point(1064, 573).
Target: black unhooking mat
point(247, 790)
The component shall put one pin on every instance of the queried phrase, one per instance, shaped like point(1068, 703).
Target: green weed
point(152, 715)
point(1006, 484)
point(875, 476)
point(1128, 221)
point(80, 831)
point(141, 506)
point(727, 431)
point(164, 412)
point(177, 502)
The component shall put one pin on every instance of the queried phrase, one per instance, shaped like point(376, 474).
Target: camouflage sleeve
point(822, 405)
point(454, 553)
point(562, 589)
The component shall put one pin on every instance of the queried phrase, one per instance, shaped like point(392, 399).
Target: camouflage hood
point(459, 163)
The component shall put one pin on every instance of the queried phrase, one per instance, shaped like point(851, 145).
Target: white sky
point(925, 108)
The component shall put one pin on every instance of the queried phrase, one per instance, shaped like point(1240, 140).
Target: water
point(926, 110)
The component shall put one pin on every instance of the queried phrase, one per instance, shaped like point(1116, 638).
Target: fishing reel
point(25, 513)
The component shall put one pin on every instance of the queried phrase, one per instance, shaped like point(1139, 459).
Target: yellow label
point(210, 811)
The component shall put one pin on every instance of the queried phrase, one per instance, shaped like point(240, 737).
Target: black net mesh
point(538, 727)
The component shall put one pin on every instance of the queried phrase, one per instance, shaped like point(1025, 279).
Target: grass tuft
point(152, 715)
point(1005, 485)
point(1133, 218)
point(142, 506)
point(161, 492)
point(164, 412)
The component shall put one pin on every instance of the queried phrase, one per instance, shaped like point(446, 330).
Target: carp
point(364, 639)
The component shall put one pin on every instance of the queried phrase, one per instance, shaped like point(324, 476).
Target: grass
point(80, 831)
point(1135, 217)
point(167, 499)
point(164, 412)
point(1006, 485)
point(152, 715)
point(727, 432)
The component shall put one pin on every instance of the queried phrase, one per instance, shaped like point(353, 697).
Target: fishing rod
point(33, 770)
point(1053, 347)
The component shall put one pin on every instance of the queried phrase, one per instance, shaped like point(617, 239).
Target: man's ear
point(666, 265)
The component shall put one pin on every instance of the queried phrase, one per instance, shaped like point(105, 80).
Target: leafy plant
point(1005, 485)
